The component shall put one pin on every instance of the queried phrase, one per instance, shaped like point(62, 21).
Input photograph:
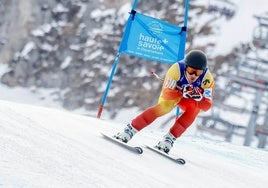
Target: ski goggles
point(193, 71)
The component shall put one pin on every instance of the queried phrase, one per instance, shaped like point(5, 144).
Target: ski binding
point(134, 149)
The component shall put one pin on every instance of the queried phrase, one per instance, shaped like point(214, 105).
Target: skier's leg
point(152, 113)
point(191, 110)
point(144, 119)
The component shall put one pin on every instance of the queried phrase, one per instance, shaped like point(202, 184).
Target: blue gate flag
point(151, 38)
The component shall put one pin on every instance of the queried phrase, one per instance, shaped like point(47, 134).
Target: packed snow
point(43, 147)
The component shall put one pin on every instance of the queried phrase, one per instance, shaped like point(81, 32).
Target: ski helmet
point(196, 59)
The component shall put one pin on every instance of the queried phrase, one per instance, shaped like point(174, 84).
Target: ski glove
point(188, 91)
point(197, 94)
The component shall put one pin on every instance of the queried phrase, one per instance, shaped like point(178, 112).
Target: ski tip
point(181, 161)
point(139, 150)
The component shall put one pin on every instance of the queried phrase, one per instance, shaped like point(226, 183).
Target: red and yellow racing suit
point(171, 96)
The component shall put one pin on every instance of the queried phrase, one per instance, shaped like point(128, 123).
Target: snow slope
point(42, 147)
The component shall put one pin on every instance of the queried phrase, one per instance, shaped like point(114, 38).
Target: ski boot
point(167, 143)
point(127, 134)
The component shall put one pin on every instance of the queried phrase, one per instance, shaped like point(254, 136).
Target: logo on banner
point(156, 27)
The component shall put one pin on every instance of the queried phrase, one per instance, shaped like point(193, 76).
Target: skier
point(188, 84)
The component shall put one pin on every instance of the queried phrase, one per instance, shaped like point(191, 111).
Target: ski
point(134, 149)
point(178, 160)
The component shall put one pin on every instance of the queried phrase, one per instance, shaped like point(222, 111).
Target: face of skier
point(192, 74)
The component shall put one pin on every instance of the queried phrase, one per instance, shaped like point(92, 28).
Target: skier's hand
point(197, 95)
point(187, 91)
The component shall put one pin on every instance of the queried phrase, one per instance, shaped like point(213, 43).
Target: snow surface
point(42, 147)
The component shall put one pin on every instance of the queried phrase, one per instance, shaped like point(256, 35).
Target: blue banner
point(151, 38)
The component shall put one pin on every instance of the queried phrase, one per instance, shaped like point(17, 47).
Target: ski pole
point(157, 76)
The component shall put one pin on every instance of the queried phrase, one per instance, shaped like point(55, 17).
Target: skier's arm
point(171, 94)
point(208, 86)
point(169, 88)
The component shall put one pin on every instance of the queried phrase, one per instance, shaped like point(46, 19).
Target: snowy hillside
point(42, 147)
